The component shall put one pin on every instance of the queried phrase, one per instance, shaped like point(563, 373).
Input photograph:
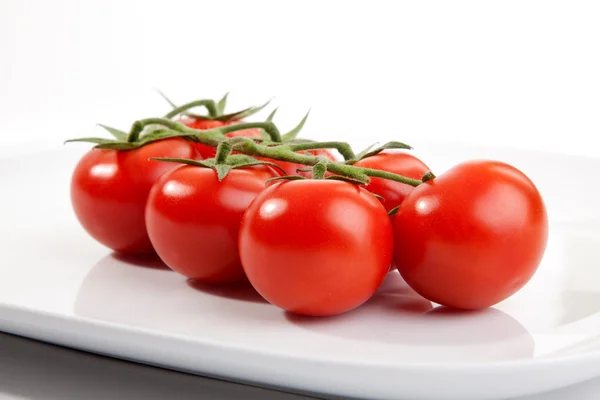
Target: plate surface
point(59, 286)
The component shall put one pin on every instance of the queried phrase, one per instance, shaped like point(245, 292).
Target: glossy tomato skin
point(204, 124)
point(400, 163)
point(109, 189)
point(316, 247)
point(193, 220)
point(471, 237)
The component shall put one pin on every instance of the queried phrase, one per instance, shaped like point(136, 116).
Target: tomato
point(291, 168)
point(471, 237)
point(204, 124)
point(316, 247)
point(401, 163)
point(109, 189)
point(201, 124)
point(193, 219)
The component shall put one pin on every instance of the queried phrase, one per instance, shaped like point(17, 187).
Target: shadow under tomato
point(242, 291)
point(159, 299)
point(141, 260)
point(393, 294)
point(394, 297)
point(398, 315)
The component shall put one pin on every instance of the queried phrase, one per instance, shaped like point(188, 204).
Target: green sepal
point(393, 211)
point(309, 169)
point(347, 179)
point(118, 134)
point(242, 114)
point(166, 98)
point(161, 134)
point(209, 104)
point(222, 170)
point(186, 161)
point(259, 162)
point(389, 145)
point(233, 116)
point(269, 142)
point(243, 160)
point(264, 136)
point(287, 178)
point(93, 140)
point(144, 140)
point(117, 145)
point(222, 103)
point(361, 155)
point(271, 116)
point(234, 161)
point(291, 135)
point(378, 196)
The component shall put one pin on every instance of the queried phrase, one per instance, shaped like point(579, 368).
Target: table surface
point(36, 371)
point(39, 371)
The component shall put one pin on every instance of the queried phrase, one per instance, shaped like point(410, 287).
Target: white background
point(511, 73)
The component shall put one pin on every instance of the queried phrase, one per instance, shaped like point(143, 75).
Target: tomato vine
point(273, 148)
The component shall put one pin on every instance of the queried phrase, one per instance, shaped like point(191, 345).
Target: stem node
point(319, 169)
point(428, 176)
point(223, 151)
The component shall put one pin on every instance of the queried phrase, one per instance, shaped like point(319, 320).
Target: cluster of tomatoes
point(468, 238)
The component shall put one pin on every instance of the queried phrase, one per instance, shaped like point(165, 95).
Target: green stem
point(138, 127)
point(319, 170)
point(343, 148)
point(388, 175)
point(282, 152)
point(428, 176)
point(285, 153)
point(223, 151)
point(268, 127)
point(210, 105)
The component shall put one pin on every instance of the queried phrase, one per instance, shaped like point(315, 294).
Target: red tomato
point(201, 124)
point(109, 189)
point(471, 237)
point(193, 219)
point(291, 168)
point(316, 247)
point(400, 163)
point(204, 124)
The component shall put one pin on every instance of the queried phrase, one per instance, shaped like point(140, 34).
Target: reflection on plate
point(155, 296)
point(398, 315)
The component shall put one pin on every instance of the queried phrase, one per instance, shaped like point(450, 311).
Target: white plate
point(58, 285)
